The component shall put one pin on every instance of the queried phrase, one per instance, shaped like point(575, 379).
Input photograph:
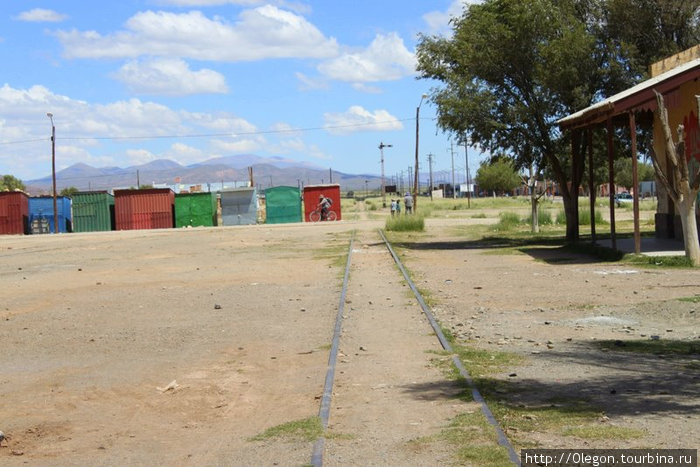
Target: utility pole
point(381, 152)
point(452, 151)
point(330, 172)
point(53, 172)
point(410, 179)
point(430, 164)
point(138, 180)
point(469, 186)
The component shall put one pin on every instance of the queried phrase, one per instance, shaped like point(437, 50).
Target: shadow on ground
point(663, 379)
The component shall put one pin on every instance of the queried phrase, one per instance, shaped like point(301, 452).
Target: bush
point(371, 206)
point(507, 221)
point(544, 217)
point(405, 223)
point(584, 217)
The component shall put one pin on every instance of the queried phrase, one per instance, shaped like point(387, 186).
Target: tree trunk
point(571, 211)
point(534, 204)
point(690, 230)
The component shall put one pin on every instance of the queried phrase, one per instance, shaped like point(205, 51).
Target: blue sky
point(131, 81)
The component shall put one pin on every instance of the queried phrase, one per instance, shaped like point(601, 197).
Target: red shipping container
point(14, 212)
point(144, 209)
point(312, 194)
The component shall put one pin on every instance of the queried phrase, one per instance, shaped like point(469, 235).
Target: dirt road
point(177, 347)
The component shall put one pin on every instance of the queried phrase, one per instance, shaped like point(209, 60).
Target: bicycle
point(315, 215)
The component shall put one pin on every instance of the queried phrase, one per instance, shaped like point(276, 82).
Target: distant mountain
point(267, 172)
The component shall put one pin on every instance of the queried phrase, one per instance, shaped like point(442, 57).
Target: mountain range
point(267, 172)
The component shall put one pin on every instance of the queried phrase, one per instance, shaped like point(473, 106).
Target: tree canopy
point(498, 175)
point(11, 183)
point(514, 67)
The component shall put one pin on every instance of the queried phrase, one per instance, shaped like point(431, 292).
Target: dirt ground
point(176, 347)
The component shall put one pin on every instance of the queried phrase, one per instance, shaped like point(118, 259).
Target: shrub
point(507, 221)
point(405, 223)
point(544, 217)
point(584, 217)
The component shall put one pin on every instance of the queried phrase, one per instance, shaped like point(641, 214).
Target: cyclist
point(324, 204)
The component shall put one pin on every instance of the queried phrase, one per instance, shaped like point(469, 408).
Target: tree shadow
point(551, 250)
point(662, 378)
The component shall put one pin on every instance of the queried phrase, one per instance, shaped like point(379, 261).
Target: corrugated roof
point(637, 98)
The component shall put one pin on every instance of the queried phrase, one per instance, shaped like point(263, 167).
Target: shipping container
point(93, 211)
point(14, 213)
point(41, 210)
point(283, 204)
point(239, 206)
point(195, 209)
point(152, 208)
point(312, 194)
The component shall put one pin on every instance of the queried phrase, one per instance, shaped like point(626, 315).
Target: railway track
point(379, 384)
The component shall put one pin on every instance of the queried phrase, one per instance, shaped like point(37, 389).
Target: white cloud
point(294, 6)
point(439, 21)
point(237, 146)
point(139, 156)
point(356, 118)
point(98, 127)
point(169, 77)
point(311, 84)
point(41, 15)
point(386, 59)
point(260, 33)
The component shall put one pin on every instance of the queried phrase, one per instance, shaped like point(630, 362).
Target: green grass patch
point(507, 221)
point(546, 417)
point(408, 223)
point(584, 217)
point(481, 215)
point(485, 456)
point(597, 432)
point(308, 429)
point(659, 261)
point(652, 346)
point(693, 299)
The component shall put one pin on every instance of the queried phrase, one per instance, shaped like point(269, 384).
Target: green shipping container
point(93, 211)
point(195, 209)
point(283, 204)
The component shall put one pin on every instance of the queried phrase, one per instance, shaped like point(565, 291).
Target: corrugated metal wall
point(311, 197)
point(195, 209)
point(41, 208)
point(283, 205)
point(144, 209)
point(93, 211)
point(14, 213)
point(239, 207)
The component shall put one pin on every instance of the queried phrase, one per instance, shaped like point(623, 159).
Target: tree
point(498, 175)
point(681, 180)
point(69, 191)
point(511, 70)
point(11, 183)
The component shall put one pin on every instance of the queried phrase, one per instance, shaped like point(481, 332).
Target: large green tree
point(11, 183)
point(509, 72)
point(498, 175)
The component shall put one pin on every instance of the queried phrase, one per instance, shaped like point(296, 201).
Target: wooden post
point(611, 182)
point(591, 183)
point(635, 184)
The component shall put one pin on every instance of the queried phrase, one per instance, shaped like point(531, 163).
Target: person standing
point(408, 201)
point(398, 206)
point(393, 207)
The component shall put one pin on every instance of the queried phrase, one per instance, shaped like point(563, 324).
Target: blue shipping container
point(41, 207)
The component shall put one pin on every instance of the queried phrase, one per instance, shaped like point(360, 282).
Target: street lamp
point(381, 152)
point(53, 172)
point(415, 182)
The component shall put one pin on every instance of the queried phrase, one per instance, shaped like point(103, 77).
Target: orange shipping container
point(144, 209)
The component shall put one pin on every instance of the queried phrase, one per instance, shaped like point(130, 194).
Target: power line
point(215, 135)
